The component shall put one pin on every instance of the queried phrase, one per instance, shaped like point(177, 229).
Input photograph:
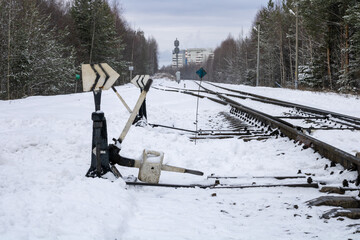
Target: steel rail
point(184, 91)
point(273, 101)
point(352, 119)
point(181, 89)
point(221, 186)
point(328, 151)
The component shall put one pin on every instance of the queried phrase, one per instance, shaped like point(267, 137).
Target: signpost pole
point(98, 77)
point(201, 73)
point(197, 111)
point(258, 57)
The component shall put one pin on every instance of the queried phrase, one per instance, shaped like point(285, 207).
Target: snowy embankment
point(45, 153)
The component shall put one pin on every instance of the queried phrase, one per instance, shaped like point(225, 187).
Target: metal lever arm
point(135, 111)
point(121, 99)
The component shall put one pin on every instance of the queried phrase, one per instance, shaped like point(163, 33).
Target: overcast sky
point(195, 23)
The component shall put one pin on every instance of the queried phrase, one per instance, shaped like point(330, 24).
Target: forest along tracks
point(249, 123)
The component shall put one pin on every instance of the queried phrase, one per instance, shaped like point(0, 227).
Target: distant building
point(198, 55)
point(192, 56)
point(181, 59)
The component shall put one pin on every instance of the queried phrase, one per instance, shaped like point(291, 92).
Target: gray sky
point(195, 23)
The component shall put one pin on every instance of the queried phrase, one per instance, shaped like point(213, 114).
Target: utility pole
point(131, 68)
point(258, 56)
point(297, 47)
point(92, 37)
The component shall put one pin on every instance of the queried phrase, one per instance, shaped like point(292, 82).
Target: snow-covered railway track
point(286, 124)
point(300, 111)
point(315, 117)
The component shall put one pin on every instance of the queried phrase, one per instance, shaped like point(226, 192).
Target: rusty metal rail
point(330, 152)
point(255, 97)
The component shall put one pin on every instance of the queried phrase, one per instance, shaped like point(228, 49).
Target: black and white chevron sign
point(140, 80)
point(98, 76)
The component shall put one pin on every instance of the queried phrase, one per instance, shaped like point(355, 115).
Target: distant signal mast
point(176, 51)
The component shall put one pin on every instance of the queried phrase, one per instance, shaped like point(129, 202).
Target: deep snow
point(45, 153)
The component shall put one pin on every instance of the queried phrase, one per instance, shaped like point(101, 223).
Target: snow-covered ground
point(45, 153)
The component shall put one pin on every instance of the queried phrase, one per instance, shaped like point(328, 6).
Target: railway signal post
point(98, 77)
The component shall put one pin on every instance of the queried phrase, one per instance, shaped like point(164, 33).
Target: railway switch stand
point(95, 78)
point(98, 77)
point(100, 154)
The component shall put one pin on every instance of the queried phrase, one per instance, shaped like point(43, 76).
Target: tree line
point(328, 47)
point(44, 42)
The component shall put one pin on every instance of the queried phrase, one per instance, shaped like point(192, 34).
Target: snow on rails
point(256, 124)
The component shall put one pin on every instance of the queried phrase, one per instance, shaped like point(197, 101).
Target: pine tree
point(350, 80)
point(4, 28)
point(140, 54)
point(329, 46)
point(152, 48)
point(95, 29)
point(38, 39)
point(38, 62)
